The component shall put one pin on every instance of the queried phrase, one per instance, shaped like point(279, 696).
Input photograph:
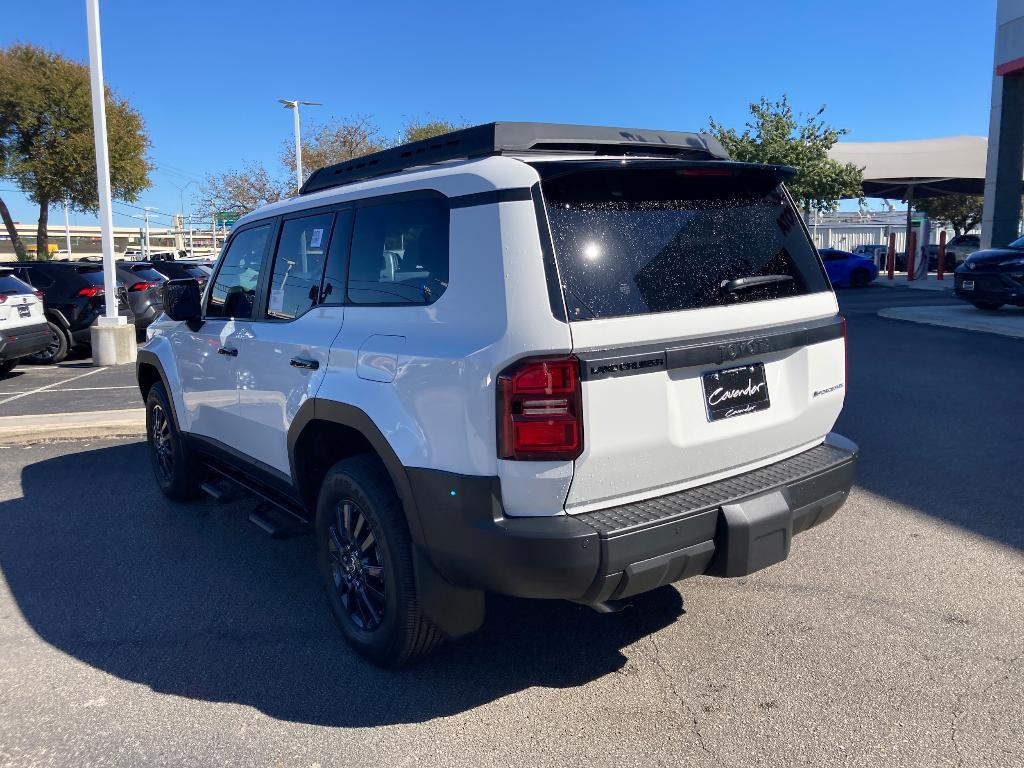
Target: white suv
point(23, 328)
point(545, 361)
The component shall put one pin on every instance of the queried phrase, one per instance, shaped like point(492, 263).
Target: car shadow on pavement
point(194, 601)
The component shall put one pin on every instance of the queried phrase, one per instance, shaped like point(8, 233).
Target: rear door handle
point(228, 351)
point(301, 362)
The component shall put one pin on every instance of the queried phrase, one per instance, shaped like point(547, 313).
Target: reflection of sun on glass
point(591, 251)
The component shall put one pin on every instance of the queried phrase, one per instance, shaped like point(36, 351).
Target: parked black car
point(145, 292)
point(73, 297)
point(177, 270)
point(989, 279)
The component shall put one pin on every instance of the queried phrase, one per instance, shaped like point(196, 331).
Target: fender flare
point(57, 315)
point(146, 357)
point(355, 418)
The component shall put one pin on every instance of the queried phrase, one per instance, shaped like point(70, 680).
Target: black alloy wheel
point(356, 566)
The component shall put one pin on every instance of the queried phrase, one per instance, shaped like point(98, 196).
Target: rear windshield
point(196, 271)
point(9, 284)
point(148, 273)
point(638, 240)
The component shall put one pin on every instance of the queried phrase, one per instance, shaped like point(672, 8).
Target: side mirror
point(182, 301)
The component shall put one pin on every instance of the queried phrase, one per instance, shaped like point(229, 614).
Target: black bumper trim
point(23, 341)
point(728, 528)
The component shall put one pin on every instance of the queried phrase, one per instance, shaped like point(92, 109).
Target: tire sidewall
point(342, 483)
point(183, 484)
point(63, 348)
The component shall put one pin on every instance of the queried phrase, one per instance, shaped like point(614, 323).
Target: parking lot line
point(50, 386)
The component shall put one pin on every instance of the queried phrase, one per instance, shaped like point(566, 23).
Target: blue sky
point(206, 76)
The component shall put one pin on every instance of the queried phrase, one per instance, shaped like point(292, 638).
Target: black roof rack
point(518, 138)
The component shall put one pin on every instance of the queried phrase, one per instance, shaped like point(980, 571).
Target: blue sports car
point(848, 269)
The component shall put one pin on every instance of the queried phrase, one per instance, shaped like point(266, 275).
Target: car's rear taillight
point(142, 285)
point(39, 295)
point(91, 291)
point(540, 410)
point(3, 298)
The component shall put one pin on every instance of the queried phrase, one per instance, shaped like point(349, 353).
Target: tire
point(176, 469)
point(364, 555)
point(988, 306)
point(7, 366)
point(58, 349)
point(859, 278)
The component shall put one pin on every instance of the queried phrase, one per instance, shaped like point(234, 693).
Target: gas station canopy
point(906, 170)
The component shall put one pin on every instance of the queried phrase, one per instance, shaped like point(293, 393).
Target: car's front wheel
point(989, 306)
point(364, 554)
point(175, 467)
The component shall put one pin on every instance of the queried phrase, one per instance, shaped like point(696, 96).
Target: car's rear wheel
point(989, 306)
point(7, 366)
point(364, 554)
point(176, 469)
point(56, 350)
point(860, 278)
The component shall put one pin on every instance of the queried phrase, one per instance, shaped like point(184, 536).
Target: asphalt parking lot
point(73, 385)
point(136, 631)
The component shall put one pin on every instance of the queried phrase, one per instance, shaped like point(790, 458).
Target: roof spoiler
point(519, 138)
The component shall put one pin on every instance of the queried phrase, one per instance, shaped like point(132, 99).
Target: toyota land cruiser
point(545, 361)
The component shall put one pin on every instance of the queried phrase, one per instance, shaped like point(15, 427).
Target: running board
point(272, 515)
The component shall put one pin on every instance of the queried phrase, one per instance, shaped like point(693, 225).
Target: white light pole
point(67, 230)
point(113, 340)
point(294, 104)
point(145, 242)
point(99, 124)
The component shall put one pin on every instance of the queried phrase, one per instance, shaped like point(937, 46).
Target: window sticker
point(317, 236)
point(277, 300)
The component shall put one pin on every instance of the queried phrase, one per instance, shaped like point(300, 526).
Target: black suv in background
point(183, 270)
point(73, 297)
point(145, 292)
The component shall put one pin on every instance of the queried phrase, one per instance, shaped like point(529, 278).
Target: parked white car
point(538, 360)
point(963, 246)
point(23, 329)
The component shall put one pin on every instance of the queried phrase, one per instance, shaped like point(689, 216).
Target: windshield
point(644, 240)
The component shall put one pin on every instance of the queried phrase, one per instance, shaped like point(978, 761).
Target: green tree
point(961, 212)
point(776, 135)
point(46, 138)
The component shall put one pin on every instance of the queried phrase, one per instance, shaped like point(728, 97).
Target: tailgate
point(708, 334)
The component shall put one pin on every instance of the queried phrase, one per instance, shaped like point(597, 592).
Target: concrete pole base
point(113, 342)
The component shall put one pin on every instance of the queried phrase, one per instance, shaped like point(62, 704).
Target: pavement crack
point(670, 679)
point(958, 706)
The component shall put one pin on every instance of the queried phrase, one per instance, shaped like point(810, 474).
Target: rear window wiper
point(742, 283)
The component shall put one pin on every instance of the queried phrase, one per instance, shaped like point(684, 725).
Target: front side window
point(299, 265)
point(234, 290)
point(399, 253)
point(639, 240)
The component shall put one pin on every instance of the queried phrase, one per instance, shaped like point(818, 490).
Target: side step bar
point(272, 515)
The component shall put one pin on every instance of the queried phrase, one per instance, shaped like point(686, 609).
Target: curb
point(22, 430)
point(961, 318)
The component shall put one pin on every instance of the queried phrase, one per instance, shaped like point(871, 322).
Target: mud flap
point(455, 611)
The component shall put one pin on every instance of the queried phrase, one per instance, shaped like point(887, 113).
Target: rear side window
point(633, 241)
point(234, 289)
point(9, 284)
point(399, 253)
point(299, 265)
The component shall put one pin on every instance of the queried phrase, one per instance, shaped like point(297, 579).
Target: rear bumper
point(728, 528)
point(23, 341)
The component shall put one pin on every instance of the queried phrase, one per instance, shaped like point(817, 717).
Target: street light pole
point(293, 104)
point(145, 240)
point(67, 230)
point(99, 123)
